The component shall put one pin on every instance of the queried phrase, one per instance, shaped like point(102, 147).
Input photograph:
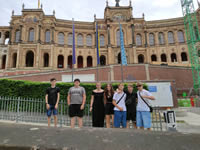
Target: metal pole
point(72, 70)
point(97, 72)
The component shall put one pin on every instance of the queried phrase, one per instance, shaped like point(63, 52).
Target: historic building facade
point(42, 42)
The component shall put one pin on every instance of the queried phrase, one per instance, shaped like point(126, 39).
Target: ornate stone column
point(133, 34)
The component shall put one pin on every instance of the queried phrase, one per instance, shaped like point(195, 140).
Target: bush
point(36, 90)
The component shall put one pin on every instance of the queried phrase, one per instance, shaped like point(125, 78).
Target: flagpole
point(97, 47)
point(122, 74)
point(73, 52)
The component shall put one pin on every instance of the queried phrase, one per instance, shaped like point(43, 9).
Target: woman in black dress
point(109, 107)
point(97, 106)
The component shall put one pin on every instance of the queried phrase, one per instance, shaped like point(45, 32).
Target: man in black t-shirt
point(131, 103)
point(52, 99)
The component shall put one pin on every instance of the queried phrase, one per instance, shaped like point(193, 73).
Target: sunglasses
point(138, 85)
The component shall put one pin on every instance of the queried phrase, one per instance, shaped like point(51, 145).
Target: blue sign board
point(152, 88)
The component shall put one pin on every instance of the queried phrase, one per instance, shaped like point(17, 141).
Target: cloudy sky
point(84, 10)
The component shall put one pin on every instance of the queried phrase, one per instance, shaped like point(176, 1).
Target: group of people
point(118, 107)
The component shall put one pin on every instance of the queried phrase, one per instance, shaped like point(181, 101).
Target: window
point(80, 62)
point(173, 57)
point(89, 40)
point(181, 37)
point(170, 37)
point(102, 40)
point(60, 61)
point(70, 39)
point(138, 40)
point(46, 60)
point(118, 38)
point(61, 38)
point(161, 38)
point(153, 58)
point(140, 59)
point(89, 61)
point(31, 35)
point(151, 39)
point(80, 40)
point(163, 58)
point(119, 58)
point(102, 60)
point(14, 60)
point(47, 36)
point(184, 56)
point(29, 59)
point(17, 36)
point(3, 62)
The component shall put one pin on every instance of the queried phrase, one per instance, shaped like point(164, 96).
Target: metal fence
point(30, 110)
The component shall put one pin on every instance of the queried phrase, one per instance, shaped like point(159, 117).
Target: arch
point(29, 59)
point(61, 38)
point(47, 36)
point(89, 40)
point(181, 38)
point(46, 60)
point(14, 60)
point(80, 61)
point(173, 57)
point(138, 40)
point(60, 61)
point(170, 37)
point(69, 63)
point(163, 58)
point(119, 58)
point(102, 60)
point(70, 39)
point(184, 56)
point(80, 40)
point(31, 35)
point(7, 37)
point(151, 39)
point(3, 62)
point(17, 36)
point(153, 58)
point(140, 59)
point(89, 61)
point(161, 38)
point(102, 40)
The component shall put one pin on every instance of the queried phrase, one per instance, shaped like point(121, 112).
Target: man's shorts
point(119, 118)
point(75, 110)
point(131, 116)
point(143, 119)
point(52, 109)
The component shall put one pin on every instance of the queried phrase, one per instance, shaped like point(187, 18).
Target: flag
point(38, 4)
point(74, 50)
point(123, 53)
point(97, 44)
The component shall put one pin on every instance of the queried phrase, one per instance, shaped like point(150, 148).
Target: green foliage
point(36, 90)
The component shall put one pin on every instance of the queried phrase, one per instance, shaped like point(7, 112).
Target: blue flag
point(123, 53)
point(97, 44)
point(74, 46)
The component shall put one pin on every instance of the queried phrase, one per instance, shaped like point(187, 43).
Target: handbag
point(128, 101)
point(151, 108)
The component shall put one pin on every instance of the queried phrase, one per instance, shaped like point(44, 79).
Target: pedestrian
point(120, 107)
point(143, 107)
point(52, 99)
point(97, 106)
point(131, 103)
point(109, 107)
point(76, 101)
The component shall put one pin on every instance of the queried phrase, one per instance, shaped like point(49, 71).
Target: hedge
point(36, 90)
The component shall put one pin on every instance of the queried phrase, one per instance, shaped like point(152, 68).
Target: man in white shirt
point(120, 107)
point(143, 110)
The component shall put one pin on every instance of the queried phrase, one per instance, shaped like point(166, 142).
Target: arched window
point(138, 40)
point(173, 57)
point(102, 40)
point(31, 35)
point(17, 36)
point(70, 61)
point(70, 39)
point(80, 40)
point(47, 36)
point(60, 61)
point(151, 39)
point(119, 58)
point(170, 37)
point(181, 37)
point(153, 58)
point(3, 61)
point(184, 56)
point(29, 59)
point(46, 60)
point(163, 58)
point(61, 38)
point(7, 37)
point(89, 40)
point(14, 60)
point(161, 38)
point(102, 60)
point(140, 59)
point(80, 62)
point(89, 61)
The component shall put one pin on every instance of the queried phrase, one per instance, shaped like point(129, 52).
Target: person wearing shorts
point(143, 111)
point(52, 99)
point(76, 102)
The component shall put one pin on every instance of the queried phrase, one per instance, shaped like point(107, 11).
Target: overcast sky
point(84, 10)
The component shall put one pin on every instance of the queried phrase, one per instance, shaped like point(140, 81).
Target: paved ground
point(92, 139)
